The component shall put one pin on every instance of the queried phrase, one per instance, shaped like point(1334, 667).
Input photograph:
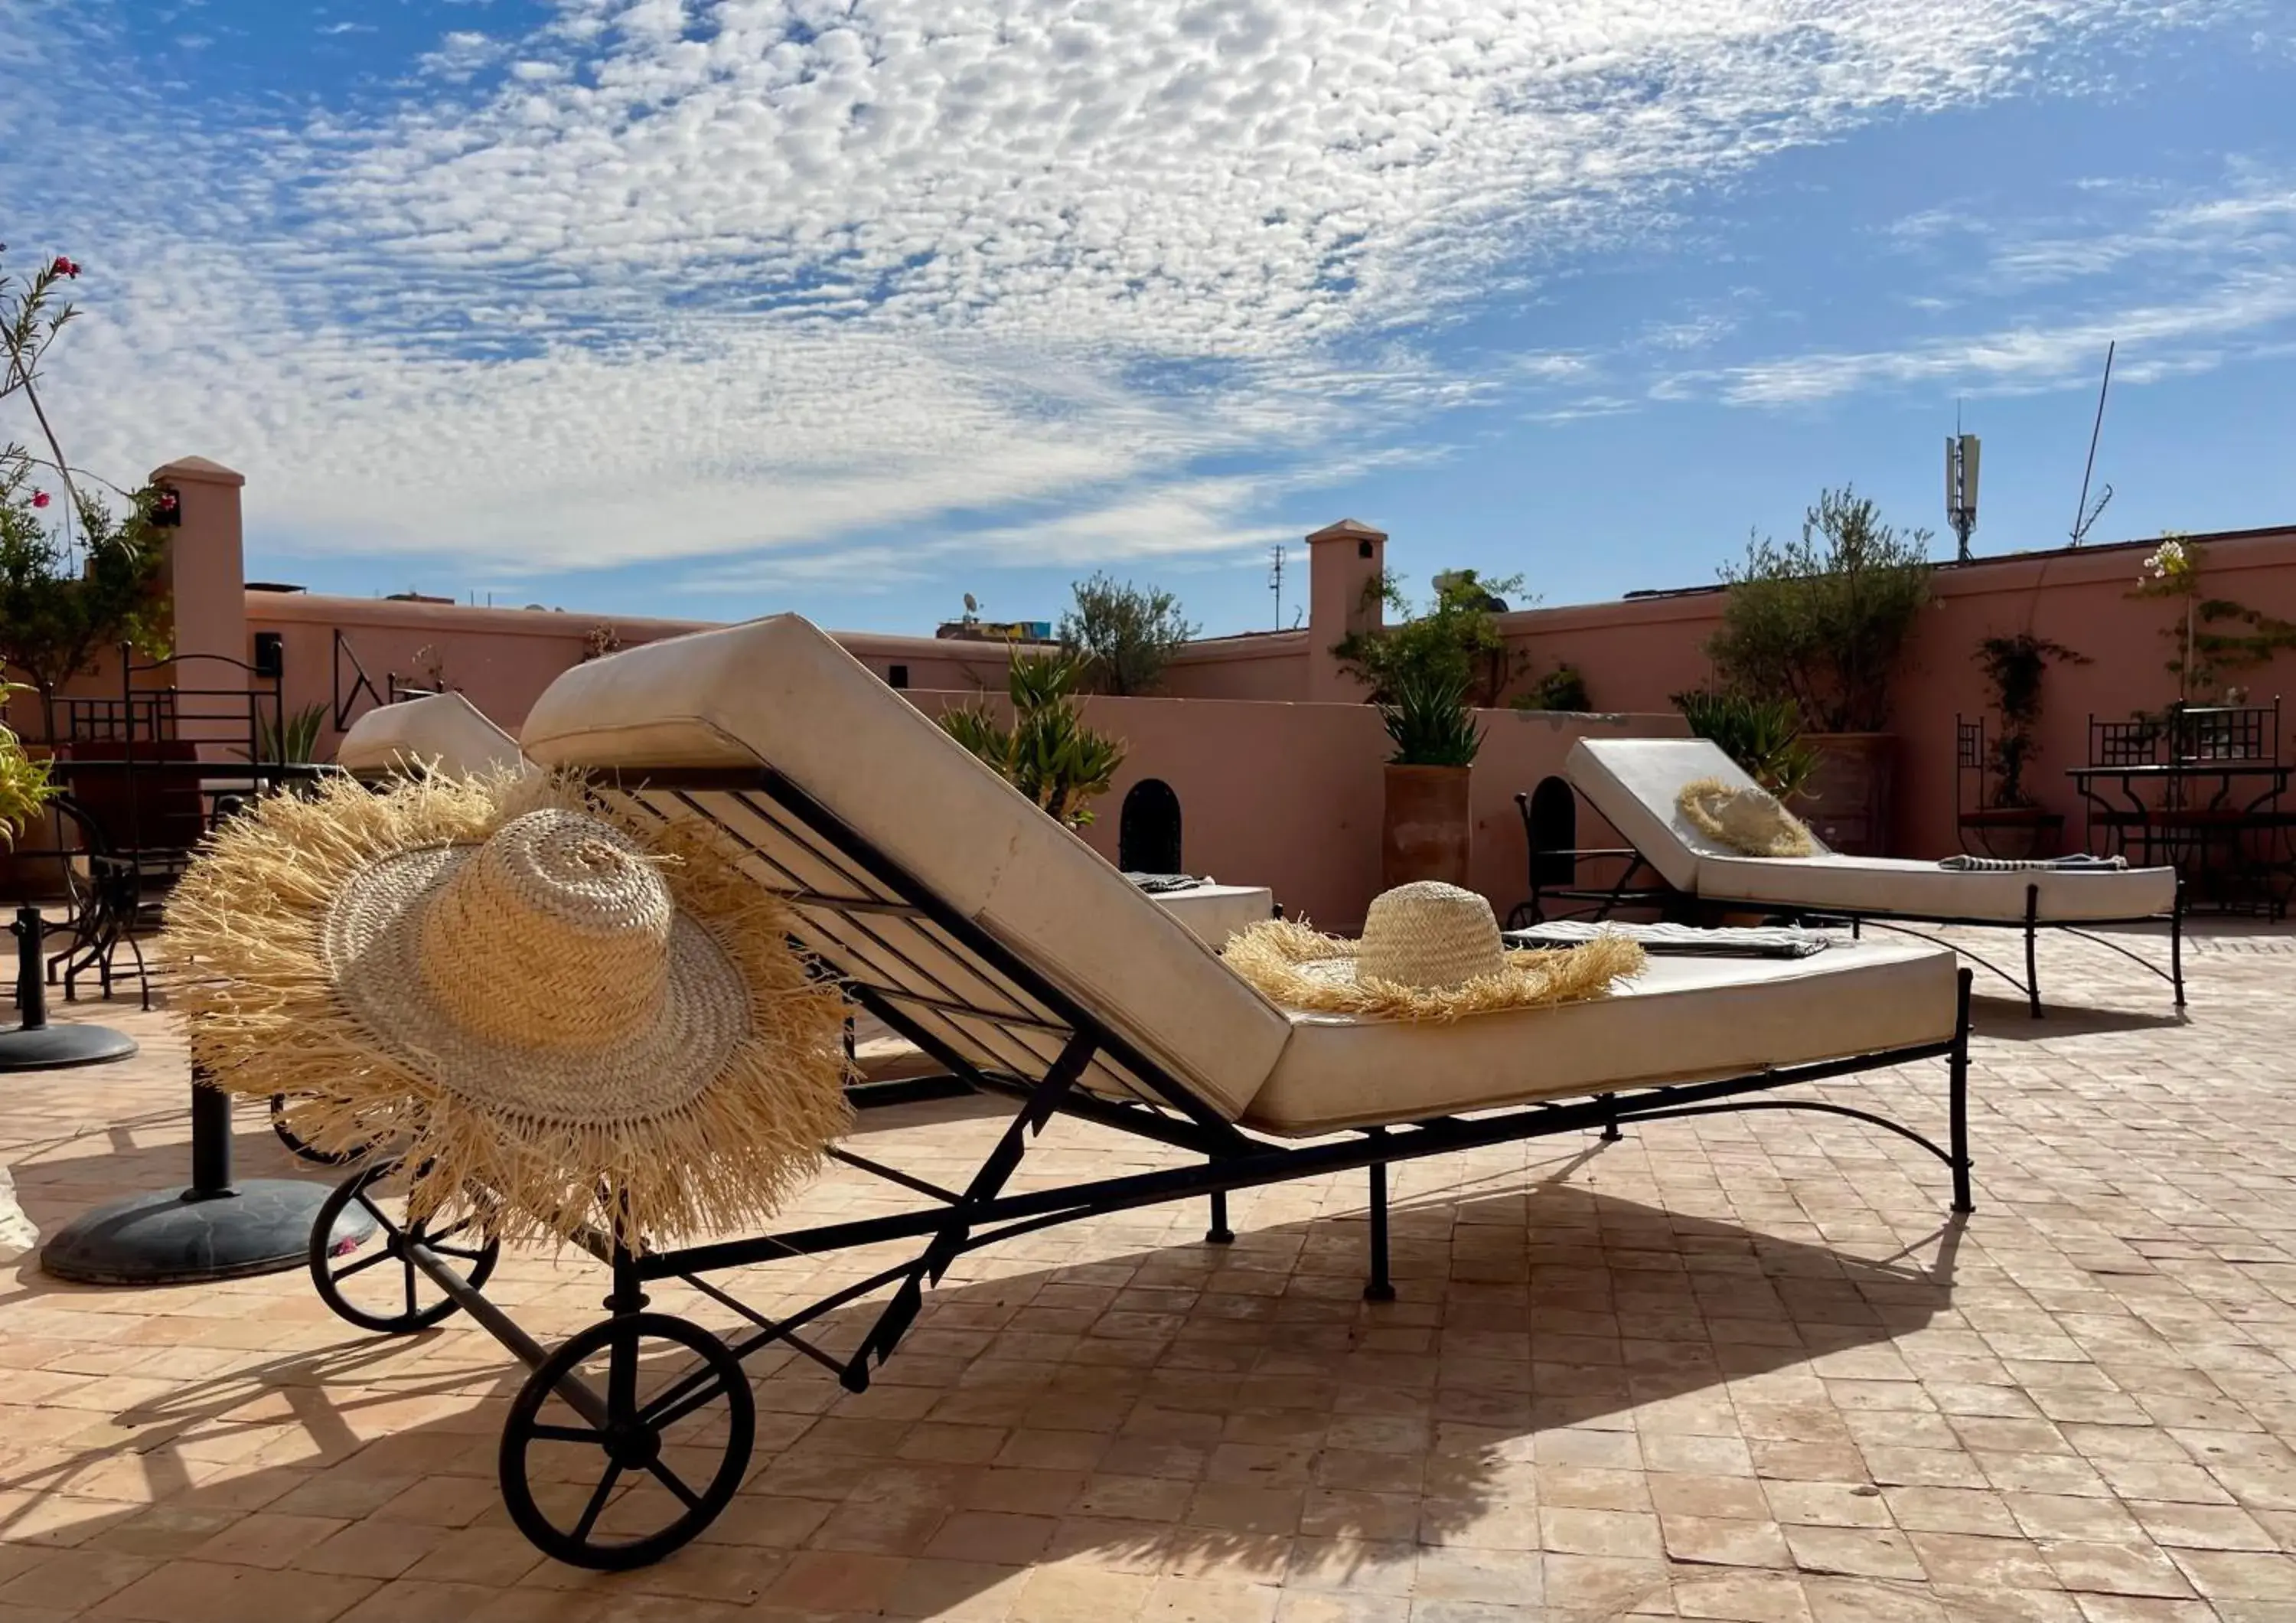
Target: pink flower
point(39, 498)
point(65, 268)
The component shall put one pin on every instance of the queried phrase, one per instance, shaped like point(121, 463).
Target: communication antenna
point(2085, 516)
point(1276, 584)
point(1961, 483)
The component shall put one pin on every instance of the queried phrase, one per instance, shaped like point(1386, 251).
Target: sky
point(717, 307)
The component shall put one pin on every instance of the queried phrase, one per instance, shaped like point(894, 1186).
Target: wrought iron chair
point(153, 767)
point(1998, 830)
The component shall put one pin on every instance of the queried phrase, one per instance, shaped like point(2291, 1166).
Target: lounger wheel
point(678, 1423)
point(390, 1294)
point(295, 1144)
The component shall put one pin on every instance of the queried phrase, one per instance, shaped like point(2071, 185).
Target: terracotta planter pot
point(1849, 799)
point(1427, 832)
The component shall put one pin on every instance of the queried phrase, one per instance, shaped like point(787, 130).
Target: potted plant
point(1824, 622)
point(1047, 753)
point(1426, 828)
point(1762, 735)
point(2013, 822)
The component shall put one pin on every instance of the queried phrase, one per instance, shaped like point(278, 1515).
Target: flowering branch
point(26, 333)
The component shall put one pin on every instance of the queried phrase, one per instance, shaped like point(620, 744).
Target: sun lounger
point(995, 940)
point(1634, 782)
point(442, 732)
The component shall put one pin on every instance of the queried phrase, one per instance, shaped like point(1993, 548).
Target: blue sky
point(725, 306)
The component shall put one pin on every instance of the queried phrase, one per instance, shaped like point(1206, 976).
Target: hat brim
point(1297, 967)
point(269, 1016)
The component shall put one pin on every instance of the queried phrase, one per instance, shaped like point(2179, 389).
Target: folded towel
point(2007, 865)
point(1159, 885)
point(1678, 939)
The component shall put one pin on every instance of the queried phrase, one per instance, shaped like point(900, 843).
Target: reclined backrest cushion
point(440, 732)
point(1636, 783)
point(780, 692)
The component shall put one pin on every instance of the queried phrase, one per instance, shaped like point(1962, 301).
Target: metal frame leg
point(2176, 945)
point(2032, 963)
point(1957, 1099)
point(1380, 1288)
point(1610, 1135)
point(1219, 1233)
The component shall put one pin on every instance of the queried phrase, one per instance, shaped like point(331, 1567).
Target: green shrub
point(1456, 640)
point(1822, 620)
point(1561, 688)
point(1761, 735)
point(1124, 635)
point(1047, 754)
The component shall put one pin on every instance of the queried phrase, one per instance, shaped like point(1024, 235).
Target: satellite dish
point(972, 605)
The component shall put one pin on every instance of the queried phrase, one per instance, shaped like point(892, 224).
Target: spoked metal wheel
point(295, 1144)
point(372, 1283)
point(626, 1441)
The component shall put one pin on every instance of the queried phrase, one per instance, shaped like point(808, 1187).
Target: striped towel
point(2010, 865)
point(1678, 939)
point(1161, 884)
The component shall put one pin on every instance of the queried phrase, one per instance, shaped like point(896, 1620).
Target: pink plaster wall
point(1289, 796)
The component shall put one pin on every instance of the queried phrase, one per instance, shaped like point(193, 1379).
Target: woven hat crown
point(1430, 935)
point(555, 934)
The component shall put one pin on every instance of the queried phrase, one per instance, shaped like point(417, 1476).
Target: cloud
point(742, 279)
point(2221, 274)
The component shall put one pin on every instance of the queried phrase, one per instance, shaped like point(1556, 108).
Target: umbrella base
point(260, 1226)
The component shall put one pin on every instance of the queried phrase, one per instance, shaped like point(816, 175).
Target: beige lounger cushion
point(1634, 783)
point(1684, 1020)
point(441, 732)
point(779, 692)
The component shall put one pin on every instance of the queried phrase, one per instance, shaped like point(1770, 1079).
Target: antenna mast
point(1961, 483)
point(1276, 584)
point(2085, 516)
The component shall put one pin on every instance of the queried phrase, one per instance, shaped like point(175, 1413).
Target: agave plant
point(1047, 754)
point(1763, 736)
point(1428, 717)
point(292, 741)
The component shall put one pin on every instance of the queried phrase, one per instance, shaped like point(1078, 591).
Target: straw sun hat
point(562, 1016)
point(1429, 951)
point(1746, 819)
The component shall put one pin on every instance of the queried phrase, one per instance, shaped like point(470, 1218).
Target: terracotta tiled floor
point(1736, 1368)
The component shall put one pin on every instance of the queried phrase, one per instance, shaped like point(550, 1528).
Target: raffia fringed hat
point(557, 1016)
point(1747, 819)
point(1429, 951)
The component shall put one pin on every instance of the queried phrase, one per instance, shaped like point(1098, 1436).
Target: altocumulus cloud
point(729, 281)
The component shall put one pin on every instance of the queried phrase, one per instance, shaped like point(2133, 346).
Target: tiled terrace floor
point(1731, 1368)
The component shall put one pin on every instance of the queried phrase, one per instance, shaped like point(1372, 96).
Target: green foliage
point(1561, 688)
point(1822, 621)
point(1456, 640)
point(1047, 753)
point(294, 742)
point(24, 783)
point(2216, 637)
point(2014, 666)
point(1123, 635)
point(1761, 735)
point(1428, 717)
point(57, 613)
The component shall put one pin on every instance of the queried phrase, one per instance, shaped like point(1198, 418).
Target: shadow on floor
point(1183, 1406)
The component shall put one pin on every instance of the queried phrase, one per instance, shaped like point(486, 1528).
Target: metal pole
point(31, 983)
point(211, 1140)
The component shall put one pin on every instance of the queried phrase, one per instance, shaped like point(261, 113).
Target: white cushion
point(1634, 782)
point(442, 732)
point(1879, 886)
point(780, 692)
point(1684, 1020)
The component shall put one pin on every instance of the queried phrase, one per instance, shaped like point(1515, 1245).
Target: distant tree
point(1123, 635)
point(1455, 642)
point(1822, 621)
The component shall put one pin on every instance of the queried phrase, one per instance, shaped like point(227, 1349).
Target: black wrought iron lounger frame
point(1680, 904)
point(1009, 1010)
